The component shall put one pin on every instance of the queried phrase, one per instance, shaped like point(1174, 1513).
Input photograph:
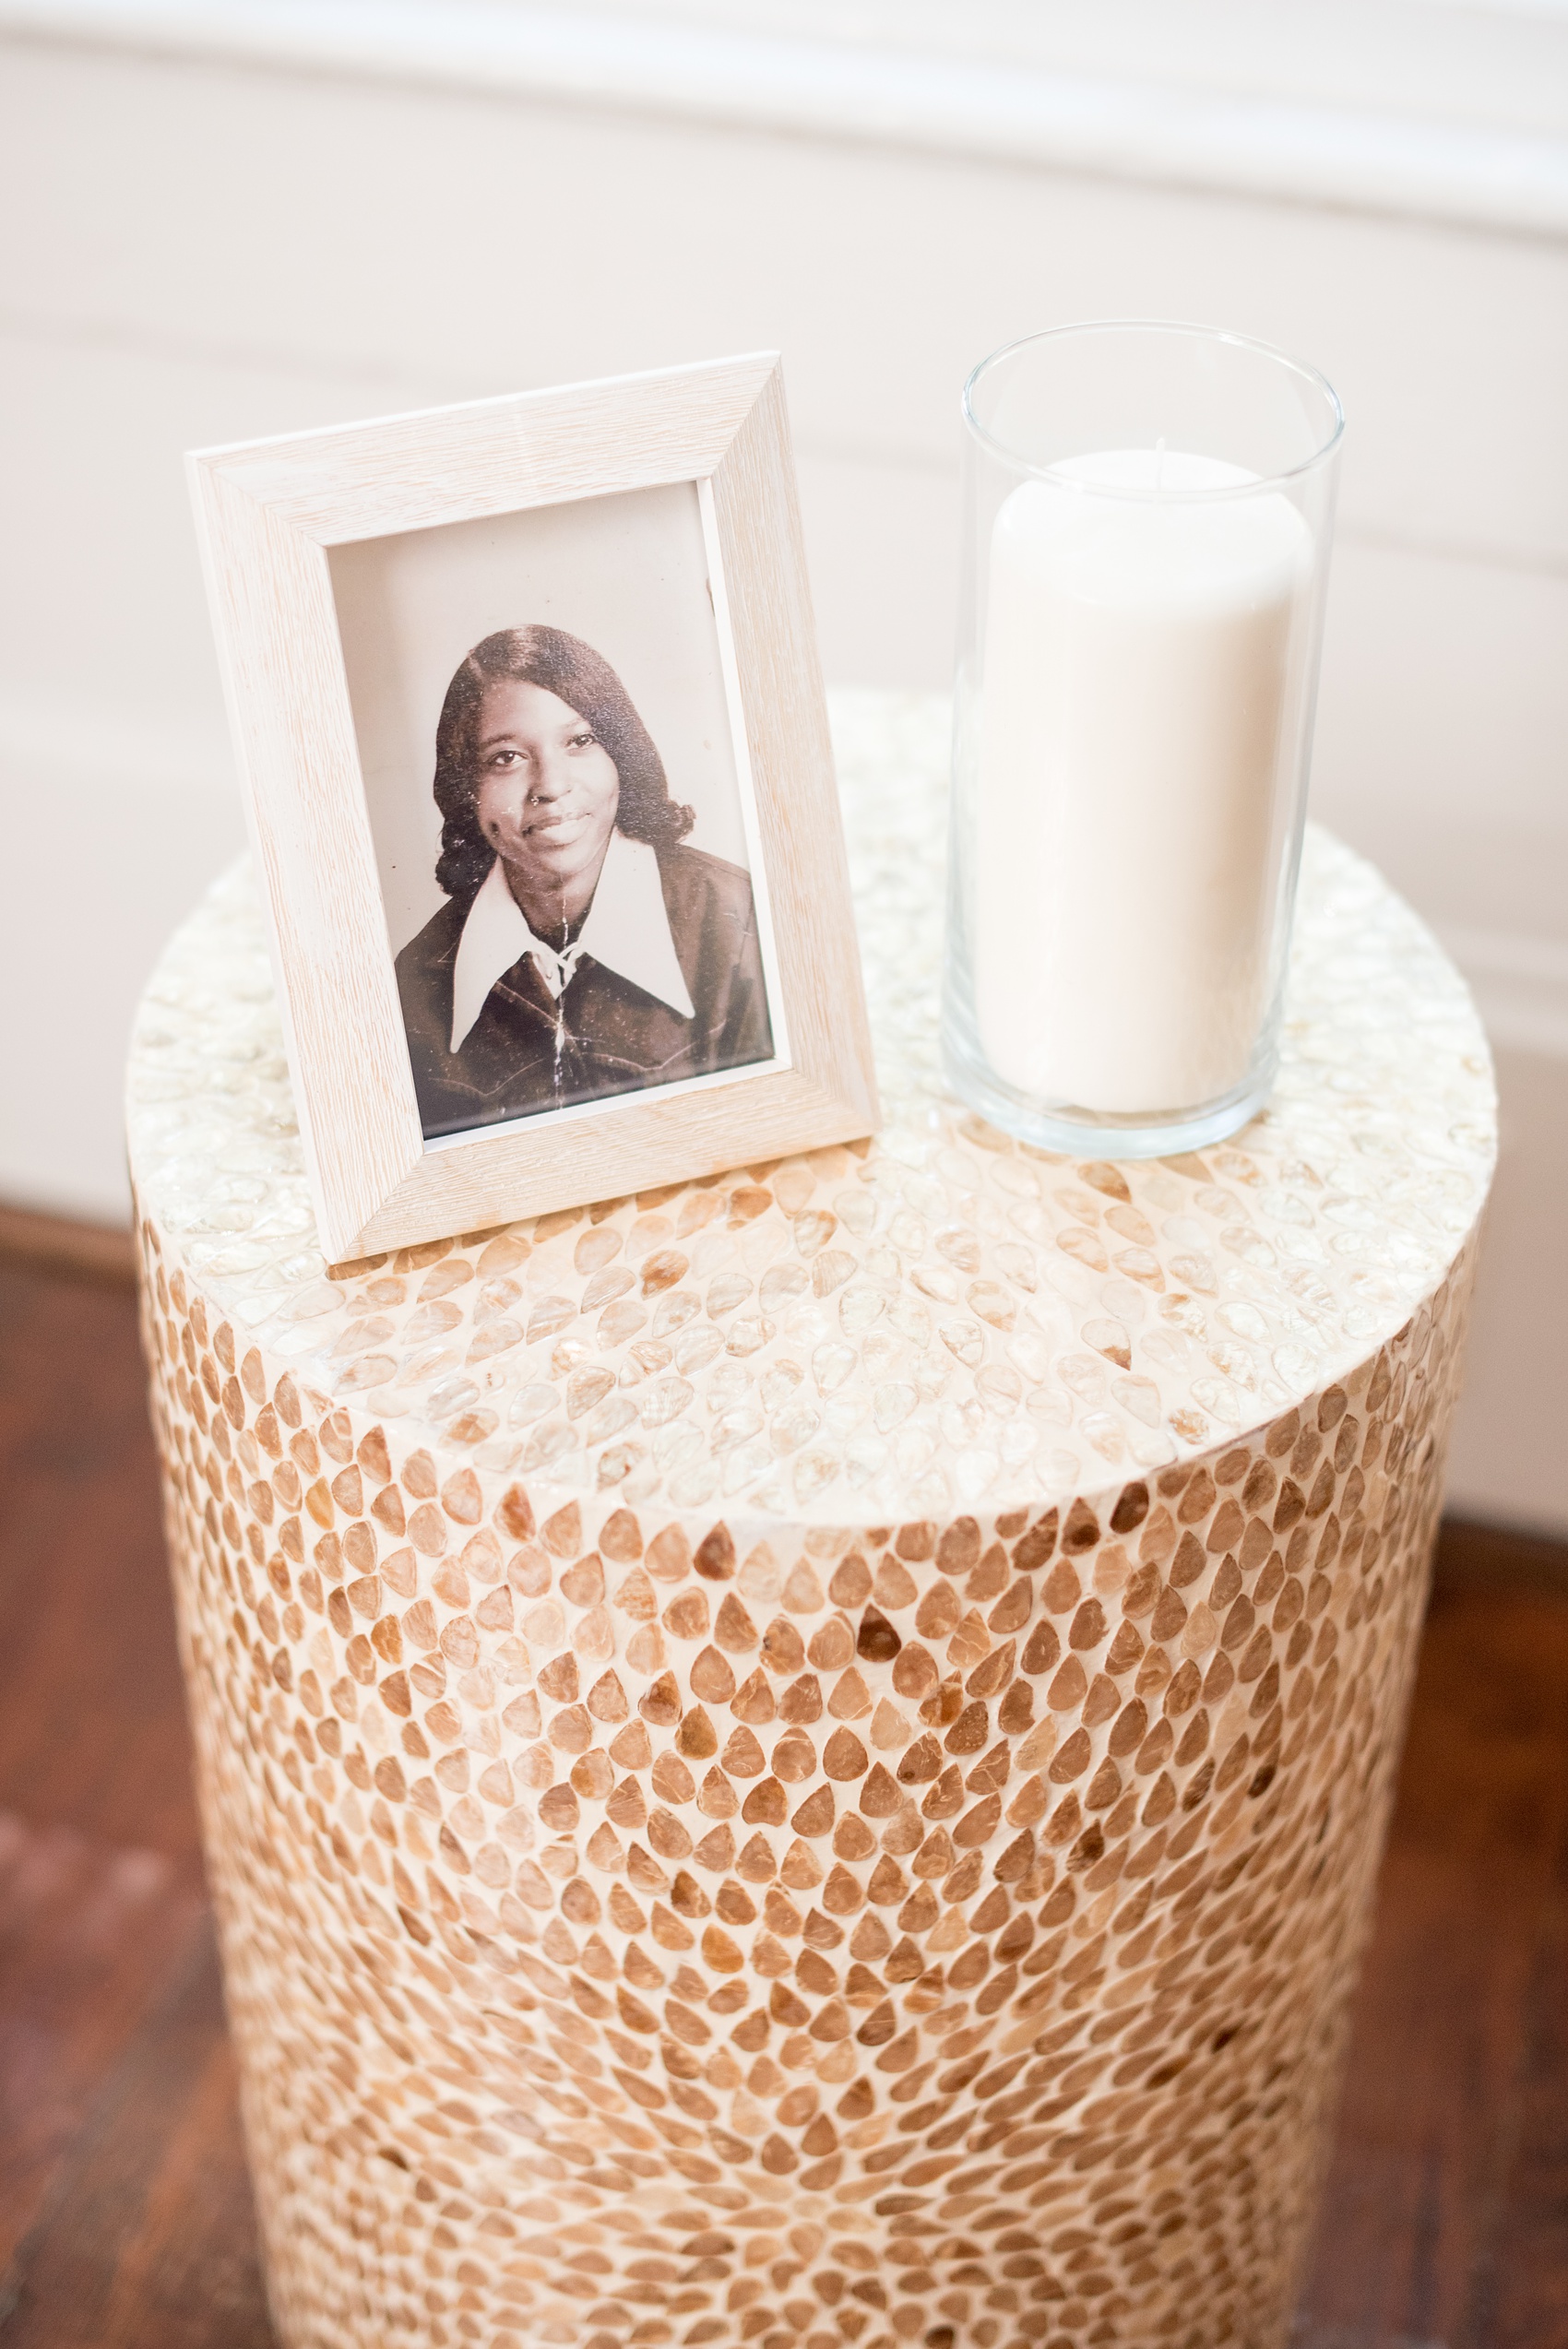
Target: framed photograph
point(532, 734)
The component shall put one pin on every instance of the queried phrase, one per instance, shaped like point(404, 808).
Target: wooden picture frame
point(269, 516)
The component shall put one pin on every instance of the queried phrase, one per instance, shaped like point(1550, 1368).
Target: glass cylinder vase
point(1147, 516)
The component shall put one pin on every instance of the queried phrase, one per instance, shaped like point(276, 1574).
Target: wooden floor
point(125, 2209)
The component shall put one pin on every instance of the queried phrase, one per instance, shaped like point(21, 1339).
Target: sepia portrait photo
point(558, 797)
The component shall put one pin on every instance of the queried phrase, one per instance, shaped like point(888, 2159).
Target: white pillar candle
point(1137, 678)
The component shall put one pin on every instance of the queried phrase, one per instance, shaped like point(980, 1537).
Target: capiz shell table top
point(945, 1319)
point(802, 1761)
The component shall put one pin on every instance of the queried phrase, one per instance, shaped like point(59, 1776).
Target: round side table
point(803, 1758)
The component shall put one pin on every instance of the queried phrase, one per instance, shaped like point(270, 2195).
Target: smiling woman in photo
point(585, 949)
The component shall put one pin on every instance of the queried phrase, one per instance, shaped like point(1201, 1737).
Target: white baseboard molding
point(1196, 132)
point(1520, 986)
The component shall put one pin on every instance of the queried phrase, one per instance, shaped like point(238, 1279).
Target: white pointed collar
point(627, 929)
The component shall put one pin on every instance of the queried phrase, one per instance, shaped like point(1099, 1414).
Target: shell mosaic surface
point(669, 1893)
point(943, 1322)
point(646, 1929)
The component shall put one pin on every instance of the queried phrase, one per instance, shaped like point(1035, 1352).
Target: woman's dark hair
point(582, 679)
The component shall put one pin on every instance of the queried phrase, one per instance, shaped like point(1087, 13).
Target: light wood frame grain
point(268, 513)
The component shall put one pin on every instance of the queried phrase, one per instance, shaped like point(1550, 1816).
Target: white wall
point(210, 236)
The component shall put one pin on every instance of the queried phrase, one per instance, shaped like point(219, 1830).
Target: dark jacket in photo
point(527, 1052)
